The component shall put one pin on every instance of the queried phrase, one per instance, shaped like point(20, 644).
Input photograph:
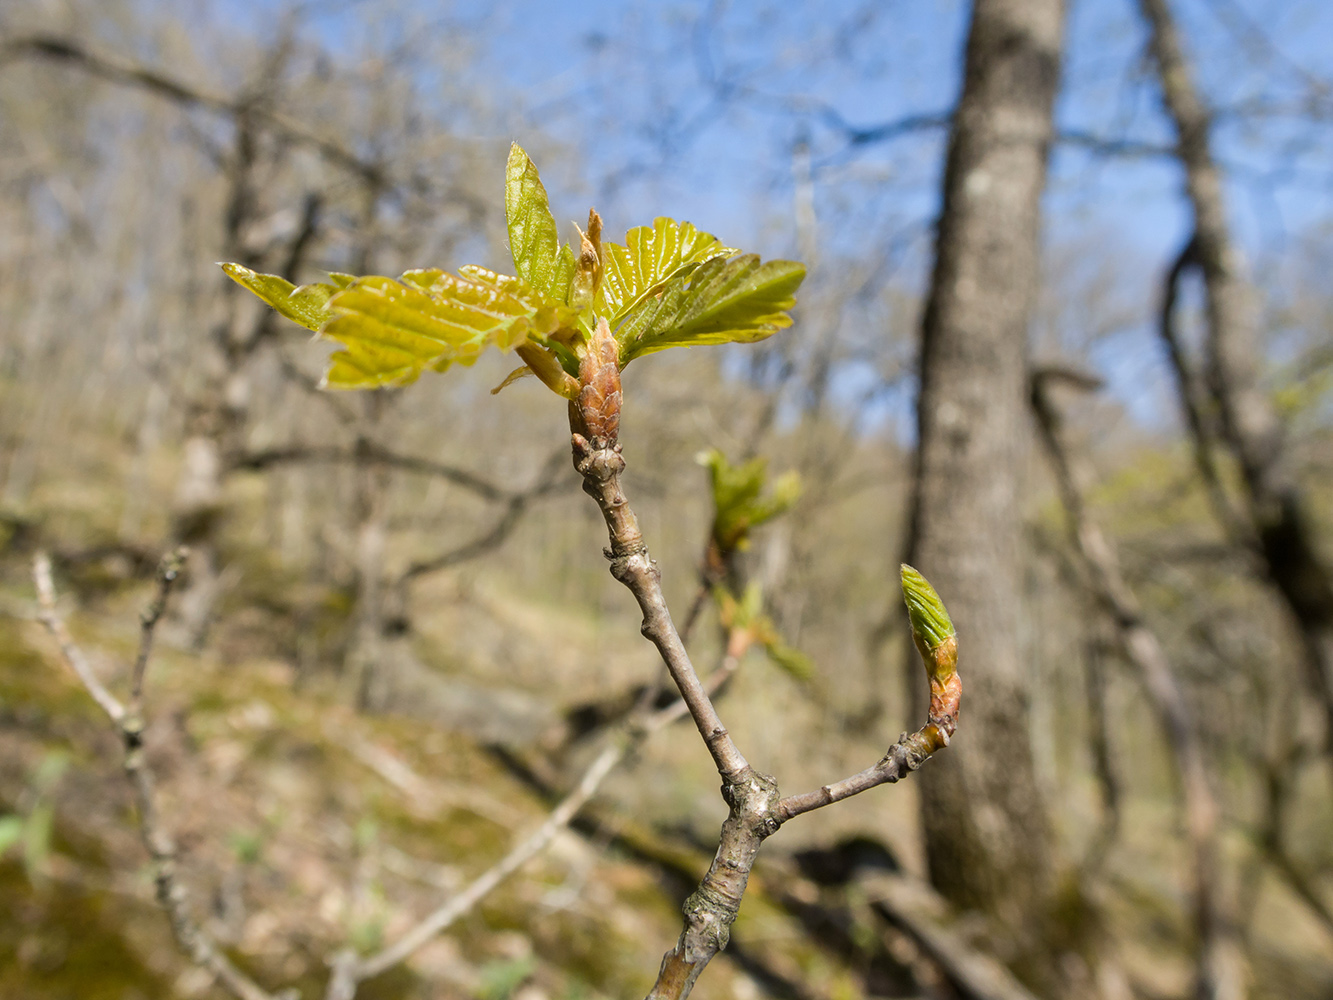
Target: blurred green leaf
point(37, 833)
point(717, 302)
point(747, 615)
point(247, 845)
point(533, 237)
point(739, 500)
point(790, 660)
point(11, 831)
point(501, 978)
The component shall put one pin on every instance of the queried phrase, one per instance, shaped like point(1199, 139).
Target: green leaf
point(717, 302)
point(790, 660)
point(930, 619)
point(395, 330)
point(11, 832)
point(304, 304)
point(651, 256)
point(533, 237)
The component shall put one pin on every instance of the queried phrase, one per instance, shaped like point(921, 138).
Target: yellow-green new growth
point(930, 620)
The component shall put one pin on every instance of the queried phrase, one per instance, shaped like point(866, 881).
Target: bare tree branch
point(367, 452)
point(69, 649)
point(118, 69)
point(190, 937)
point(1220, 966)
point(516, 506)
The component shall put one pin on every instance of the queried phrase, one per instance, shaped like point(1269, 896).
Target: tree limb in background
point(914, 907)
point(1199, 415)
point(129, 723)
point(118, 69)
point(1248, 423)
point(1220, 966)
point(515, 507)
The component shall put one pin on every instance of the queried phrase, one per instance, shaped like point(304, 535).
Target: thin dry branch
point(516, 506)
point(366, 452)
point(752, 798)
point(171, 895)
point(913, 907)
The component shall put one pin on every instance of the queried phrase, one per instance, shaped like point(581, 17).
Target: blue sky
point(693, 109)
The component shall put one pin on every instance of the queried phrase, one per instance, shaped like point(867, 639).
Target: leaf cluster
point(741, 500)
point(668, 285)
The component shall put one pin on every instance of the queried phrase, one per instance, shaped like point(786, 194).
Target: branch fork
point(756, 808)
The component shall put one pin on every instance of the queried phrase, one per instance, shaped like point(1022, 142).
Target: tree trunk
point(989, 842)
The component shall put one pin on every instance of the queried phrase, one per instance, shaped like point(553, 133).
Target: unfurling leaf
point(931, 624)
point(717, 302)
point(534, 240)
point(304, 304)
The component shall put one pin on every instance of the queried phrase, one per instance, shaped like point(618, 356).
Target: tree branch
point(117, 69)
point(366, 452)
point(515, 507)
point(192, 939)
point(1248, 423)
point(1219, 966)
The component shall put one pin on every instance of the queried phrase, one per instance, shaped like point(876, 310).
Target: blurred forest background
point(396, 644)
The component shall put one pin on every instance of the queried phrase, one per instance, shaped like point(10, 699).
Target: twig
point(167, 573)
point(907, 755)
point(594, 423)
point(752, 798)
point(171, 895)
point(369, 453)
point(46, 596)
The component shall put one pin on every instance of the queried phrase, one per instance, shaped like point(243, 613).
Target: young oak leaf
point(718, 302)
point(534, 241)
point(394, 330)
point(652, 256)
point(304, 304)
point(670, 285)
